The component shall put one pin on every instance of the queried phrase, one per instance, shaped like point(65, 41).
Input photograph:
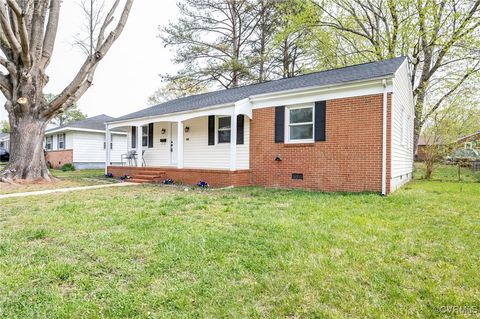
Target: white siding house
point(83, 144)
point(402, 119)
point(5, 141)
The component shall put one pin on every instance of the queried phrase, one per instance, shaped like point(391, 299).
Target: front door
point(173, 144)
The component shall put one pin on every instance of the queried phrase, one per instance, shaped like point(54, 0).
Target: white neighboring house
point(5, 141)
point(83, 144)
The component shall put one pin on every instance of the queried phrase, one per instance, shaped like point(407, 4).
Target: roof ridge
point(282, 79)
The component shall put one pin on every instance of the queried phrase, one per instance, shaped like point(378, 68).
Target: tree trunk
point(27, 158)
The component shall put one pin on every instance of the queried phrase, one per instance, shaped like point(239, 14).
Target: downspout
point(384, 139)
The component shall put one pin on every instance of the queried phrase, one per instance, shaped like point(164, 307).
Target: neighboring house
point(423, 143)
point(82, 144)
point(348, 129)
point(5, 141)
point(470, 141)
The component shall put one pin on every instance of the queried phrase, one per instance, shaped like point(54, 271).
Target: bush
point(68, 167)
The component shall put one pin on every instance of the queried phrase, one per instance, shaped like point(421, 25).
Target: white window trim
point(64, 137)
point(148, 137)
point(287, 123)
point(51, 143)
point(217, 128)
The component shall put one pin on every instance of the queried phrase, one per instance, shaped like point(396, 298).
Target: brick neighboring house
point(82, 143)
point(347, 129)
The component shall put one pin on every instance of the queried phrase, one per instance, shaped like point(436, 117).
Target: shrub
point(68, 167)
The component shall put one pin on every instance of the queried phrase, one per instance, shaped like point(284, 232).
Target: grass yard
point(64, 180)
point(152, 252)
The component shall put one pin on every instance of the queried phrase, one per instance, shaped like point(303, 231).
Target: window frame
point(218, 129)
point(47, 138)
point(63, 140)
point(146, 137)
point(288, 140)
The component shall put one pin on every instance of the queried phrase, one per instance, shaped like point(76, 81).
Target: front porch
point(190, 176)
point(204, 145)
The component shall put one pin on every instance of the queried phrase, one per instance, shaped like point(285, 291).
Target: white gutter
point(255, 98)
point(384, 139)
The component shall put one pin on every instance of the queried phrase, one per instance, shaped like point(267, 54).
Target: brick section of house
point(349, 160)
point(58, 158)
point(215, 178)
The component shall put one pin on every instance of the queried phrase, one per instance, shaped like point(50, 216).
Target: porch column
point(233, 142)
point(108, 139)
point(180, 144)
point(139, 146)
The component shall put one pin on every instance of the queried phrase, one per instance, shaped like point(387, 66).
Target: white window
point(61, 141)
point(145, 135)
point(224, 129)
point(299, 120)
point(49, 143)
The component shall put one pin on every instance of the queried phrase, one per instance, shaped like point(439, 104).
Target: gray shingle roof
point(331, 77)
point(3, 135)
point(91, 123)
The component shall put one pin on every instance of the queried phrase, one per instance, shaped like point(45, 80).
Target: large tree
point(211, 41)
point(71, 114)
point(440, 38)
point(27, 38)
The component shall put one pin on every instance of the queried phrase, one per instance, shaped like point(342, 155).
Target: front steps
point(146, 176)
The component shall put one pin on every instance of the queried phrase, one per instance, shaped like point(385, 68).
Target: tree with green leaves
point(4, 127)
point(71, 114)
point(174, 89)
point(458, 118)
point(211, 41)
point(440, 38)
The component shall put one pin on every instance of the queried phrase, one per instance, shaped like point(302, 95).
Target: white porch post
point(139, 147)
point(180, 144)
point(108, 139)
point(233, 142)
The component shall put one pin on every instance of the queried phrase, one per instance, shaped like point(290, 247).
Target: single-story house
point(82, 143)
point(5, 141)
point(348, 129)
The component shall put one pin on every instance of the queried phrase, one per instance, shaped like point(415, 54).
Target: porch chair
point(130, 157)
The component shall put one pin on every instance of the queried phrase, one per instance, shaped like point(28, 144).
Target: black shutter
point(320, 120)
point(211, 130)
point(240, 130)
point(134, 137)
point(150, 135)
point(279, 124)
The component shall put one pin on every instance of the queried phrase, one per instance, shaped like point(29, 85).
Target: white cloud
point(129, 72)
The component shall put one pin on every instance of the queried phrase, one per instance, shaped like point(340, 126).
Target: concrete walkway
point(65, 190)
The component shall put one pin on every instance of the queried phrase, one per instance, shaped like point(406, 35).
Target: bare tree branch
point(50, 33)
point(22, 29)
point(78, 85)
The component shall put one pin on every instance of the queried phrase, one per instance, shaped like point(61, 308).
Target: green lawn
point(63, 180)
point(150, 252)
point(447, 173)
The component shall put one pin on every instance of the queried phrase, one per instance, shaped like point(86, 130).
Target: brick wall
point(58, 158)
point(215, 178)
point(349, 160)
